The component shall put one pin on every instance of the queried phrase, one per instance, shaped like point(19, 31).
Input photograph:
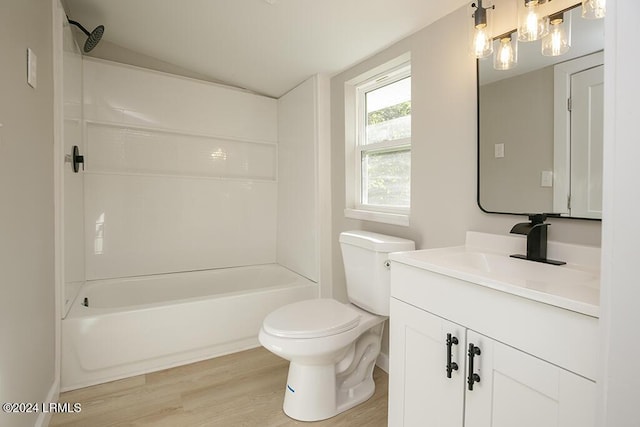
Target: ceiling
point(267, 46)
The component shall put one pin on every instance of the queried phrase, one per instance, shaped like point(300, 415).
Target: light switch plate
point(546, 179)
point(32, 68)
point(498, 151)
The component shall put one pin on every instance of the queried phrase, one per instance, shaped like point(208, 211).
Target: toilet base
point(318, 392)
point(310, 392)
point(317, 401)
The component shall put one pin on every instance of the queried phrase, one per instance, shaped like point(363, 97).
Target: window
point(378, 145)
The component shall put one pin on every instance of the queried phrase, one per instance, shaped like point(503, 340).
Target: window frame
point(355, 147)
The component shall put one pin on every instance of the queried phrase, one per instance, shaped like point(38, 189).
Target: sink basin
point(572, 286)
point(516, 269)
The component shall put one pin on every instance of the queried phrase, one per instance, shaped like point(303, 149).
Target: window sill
point(384, 217)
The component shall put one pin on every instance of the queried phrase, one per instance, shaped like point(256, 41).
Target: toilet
point(332, 347)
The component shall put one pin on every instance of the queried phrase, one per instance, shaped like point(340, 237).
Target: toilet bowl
point(332, 346)
point(331, 355)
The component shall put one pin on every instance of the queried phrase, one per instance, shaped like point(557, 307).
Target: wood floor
point(242, 389)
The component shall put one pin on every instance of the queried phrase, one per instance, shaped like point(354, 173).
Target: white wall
point(620, 318)
point(27, 301)
point(297, 241)
point(180, 174)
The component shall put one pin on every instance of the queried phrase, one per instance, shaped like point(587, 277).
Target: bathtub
point(136, 325)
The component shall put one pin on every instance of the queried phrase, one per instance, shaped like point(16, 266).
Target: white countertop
point(485, 261)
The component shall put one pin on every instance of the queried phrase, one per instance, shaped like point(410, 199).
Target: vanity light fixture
point(555, 30)
point(532, 25)
point(481, 42)
point(593, 9)
point(506, 56)
point(558, 41)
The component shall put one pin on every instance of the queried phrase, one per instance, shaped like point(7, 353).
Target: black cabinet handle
point(451, 366)
point(76, 159)
point(472, 378)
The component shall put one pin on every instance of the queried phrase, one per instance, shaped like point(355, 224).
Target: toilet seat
point(311, 319)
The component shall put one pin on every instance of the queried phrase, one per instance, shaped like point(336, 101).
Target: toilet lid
point(311, 319)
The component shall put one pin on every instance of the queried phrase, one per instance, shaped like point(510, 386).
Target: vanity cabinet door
point(517, 389)
point(420, 394)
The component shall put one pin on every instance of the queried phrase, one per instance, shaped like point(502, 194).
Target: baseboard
point(45, 417)
point(383, 362)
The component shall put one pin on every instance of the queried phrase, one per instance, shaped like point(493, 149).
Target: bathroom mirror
point(540, 128)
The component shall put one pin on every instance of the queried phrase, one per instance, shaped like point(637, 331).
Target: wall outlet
point(32, 69)
point(498, 151)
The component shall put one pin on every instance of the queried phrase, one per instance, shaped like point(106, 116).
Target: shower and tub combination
point(142, 324)
point(194, 218)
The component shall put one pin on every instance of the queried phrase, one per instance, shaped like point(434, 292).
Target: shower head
point(93, 37)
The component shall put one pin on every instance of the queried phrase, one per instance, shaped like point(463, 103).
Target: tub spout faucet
point(536, 232)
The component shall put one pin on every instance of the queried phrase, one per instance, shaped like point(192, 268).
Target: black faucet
point(536, 232)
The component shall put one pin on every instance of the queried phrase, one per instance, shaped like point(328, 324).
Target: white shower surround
point(181, 175)
point(137, 325)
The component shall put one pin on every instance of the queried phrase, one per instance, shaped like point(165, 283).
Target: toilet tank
point(365, 256)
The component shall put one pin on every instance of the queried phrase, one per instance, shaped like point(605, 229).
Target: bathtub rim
point(77, 310)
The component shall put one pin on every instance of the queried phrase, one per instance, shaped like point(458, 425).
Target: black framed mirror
point(540, 128)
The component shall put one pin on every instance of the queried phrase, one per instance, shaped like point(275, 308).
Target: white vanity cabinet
point(420, 394)
point(517, 389)
point(535, 364)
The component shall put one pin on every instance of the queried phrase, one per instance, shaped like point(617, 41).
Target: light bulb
point(482, 46)
point(531, 26)
point(593, 9)
point(558, 41)
point(506, 55)
point(480, 34)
